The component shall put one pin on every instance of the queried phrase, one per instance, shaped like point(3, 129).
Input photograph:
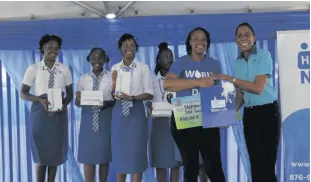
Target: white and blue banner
point(294, 77)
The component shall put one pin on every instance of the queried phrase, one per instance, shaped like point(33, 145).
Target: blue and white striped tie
point(95, 108)
point(125, 103)
point(51, 78)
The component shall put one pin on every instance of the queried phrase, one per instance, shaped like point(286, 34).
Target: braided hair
point(162, 46)
point(101, 51)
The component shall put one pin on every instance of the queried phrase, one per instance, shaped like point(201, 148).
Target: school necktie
point(51, 78)
point(125, 103)
point(95, 108)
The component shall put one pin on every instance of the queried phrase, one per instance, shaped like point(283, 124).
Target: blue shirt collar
point(253, 51)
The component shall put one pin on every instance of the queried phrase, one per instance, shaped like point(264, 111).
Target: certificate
point(162, 106)
point(218, 105)
point(92, 98)
point(123, 83)
point(161, 109)
point(161, 114)
point(187, 111)
point(55, 99)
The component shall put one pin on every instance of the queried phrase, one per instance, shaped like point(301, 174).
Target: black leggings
point(194, 140)
point(262, 126)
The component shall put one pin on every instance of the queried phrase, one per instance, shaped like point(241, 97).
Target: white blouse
point(105, 84)
point(141, 80)
point(37, 76)
point(160, 95)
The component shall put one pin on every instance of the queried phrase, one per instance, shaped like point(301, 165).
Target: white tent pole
point(98, 13)
point(127, 6)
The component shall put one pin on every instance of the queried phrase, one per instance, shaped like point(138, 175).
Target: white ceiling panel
point(60, 9)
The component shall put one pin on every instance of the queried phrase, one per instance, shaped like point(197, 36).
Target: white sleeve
point(109, 85)
point(155, 87)
point(147, 80)
point(30, 75)
point(113, 67)
point(68, 76)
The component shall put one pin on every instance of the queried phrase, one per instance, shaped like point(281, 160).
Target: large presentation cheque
point(187, 112)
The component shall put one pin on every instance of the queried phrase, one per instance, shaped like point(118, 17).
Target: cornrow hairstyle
point(101, 51)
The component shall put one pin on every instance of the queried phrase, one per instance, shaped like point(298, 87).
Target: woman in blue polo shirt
point(254, 88)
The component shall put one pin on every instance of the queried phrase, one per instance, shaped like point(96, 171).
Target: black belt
point(262, 106)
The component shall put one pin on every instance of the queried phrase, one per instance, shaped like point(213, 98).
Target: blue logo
point(304, 63)
point(218, 105)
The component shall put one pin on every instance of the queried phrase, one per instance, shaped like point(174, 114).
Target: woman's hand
point(78, 95)
point(64, 107)
point(169, 98)
point(45, 103)
point(205, 82)
point(78, 98)
point(101, 106)
point(221, 76)
point(124, 96)
point(149, 110)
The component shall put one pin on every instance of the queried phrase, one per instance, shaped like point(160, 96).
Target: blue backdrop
point(19, 48)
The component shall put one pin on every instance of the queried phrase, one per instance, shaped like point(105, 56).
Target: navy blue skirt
point(50, 136)
point(162, 145)
point(95, 147)
point(129, 139)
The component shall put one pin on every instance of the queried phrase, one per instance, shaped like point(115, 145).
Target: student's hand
point(149, 109)
point(124, 96)
point(64, 107)
point(169, 98)
point(205, 82)
point(78, 95)
point(101, 106)
point(45, 103)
